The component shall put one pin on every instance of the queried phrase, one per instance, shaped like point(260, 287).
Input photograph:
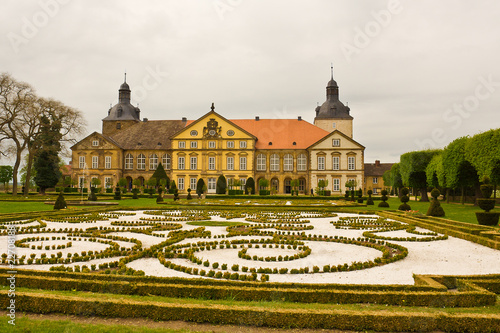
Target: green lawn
point(453, 211)
point(24, 324)
point(21, 207)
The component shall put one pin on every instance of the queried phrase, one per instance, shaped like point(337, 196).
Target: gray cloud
point(268, 58)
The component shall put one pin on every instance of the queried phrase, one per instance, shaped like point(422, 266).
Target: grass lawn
point(25, 324)
point(453, 211)
point(21, 207)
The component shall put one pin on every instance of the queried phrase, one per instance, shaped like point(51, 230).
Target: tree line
point(36, 128)
point(464, 164)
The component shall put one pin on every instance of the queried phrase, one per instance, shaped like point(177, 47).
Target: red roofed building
point(279, 150)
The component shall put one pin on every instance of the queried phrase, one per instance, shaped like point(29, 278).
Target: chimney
point(256, 118)
point(184, 120)
point(377, 163)
point(299, 118)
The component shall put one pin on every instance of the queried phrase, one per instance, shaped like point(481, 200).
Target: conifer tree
point(46, 161)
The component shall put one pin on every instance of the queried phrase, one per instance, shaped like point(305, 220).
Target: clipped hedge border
point(450, 228)
point(255, 316)
point(472, 297)
point(213, 282)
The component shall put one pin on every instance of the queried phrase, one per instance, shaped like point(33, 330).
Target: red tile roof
point(281, 132)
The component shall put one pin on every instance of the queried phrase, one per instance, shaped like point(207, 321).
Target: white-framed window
point(288, 162)
point(302, 185)
point(336, 142)
point(107, 162)
point(261, 162)
point(375, 180)
point(243, 144)
point(351, 163)
point(230, 163)
point(375, 191)
point(243, 182)
point(194, 133)
point(230, 182)
point(153, 162)
point(212, 183)
point(336, 163)
point(192, 184)
point(243, 163)
point(107, 182)
point(334, 125)
point(81, 162)
point(211, 163)
point(336, 184)
point(230, 144)
point(181, 144)
point(129, 162)
point(275, 162)
point(181, 163)
point(352, 181)
point(194, 144)
point(95, 143)
point(194, 163)
point(302, 162)
point(95, 162)
point(321, 162)
point(180, 183)
point(211, 144)
point(166, 160)
point(81, 182)
point(141, 162)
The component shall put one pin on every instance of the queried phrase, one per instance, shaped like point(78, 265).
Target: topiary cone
point(60, 202)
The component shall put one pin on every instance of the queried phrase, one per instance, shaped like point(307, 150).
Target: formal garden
point(272, 262)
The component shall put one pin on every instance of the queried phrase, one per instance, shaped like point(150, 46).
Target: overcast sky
point(415, 73)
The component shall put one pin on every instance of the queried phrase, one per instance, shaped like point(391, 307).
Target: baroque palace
point(279, 150)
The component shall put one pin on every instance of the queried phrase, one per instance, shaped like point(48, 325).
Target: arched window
point(275, 162)
point(261, 162)
point(302, 162)
point(129, 162)
point(153, 162)
point(166, 161)
point(141, 162)
point(288, 162)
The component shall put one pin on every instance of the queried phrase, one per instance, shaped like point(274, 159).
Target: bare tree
point(15, 98)
point(20, 114)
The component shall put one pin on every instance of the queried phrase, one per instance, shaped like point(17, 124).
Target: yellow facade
point(210, 147)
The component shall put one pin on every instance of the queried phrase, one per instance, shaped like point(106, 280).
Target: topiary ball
point(435, 193)
point(383, 192)
point(370, 192)
point(405, 191)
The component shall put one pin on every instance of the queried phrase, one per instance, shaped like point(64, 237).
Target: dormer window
point(119, 112)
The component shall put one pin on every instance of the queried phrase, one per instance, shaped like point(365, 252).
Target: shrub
point(250, 186)
point(487, 204)
point(369, 201)
point(60, 202)
point(189, 197)
point(221, 185)
point(118, 194)
point(92, 196)
point(435, 208)
point(404, 199)
point(384, 199)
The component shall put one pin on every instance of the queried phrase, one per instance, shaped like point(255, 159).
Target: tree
point(60, 202)
point(396, 180)
point(295, 185)
point(435, 172)
point(20, 122)
point(173, 187)
point(5, 176)
point(46, 160)
point(412, 168)
point(482, 151)
point(435, 208)
point(457, 171)
point(221, 185)
point(263, 184)
point(15, 98)
point(199, 187)
point(250, 186)
point(160, 174)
